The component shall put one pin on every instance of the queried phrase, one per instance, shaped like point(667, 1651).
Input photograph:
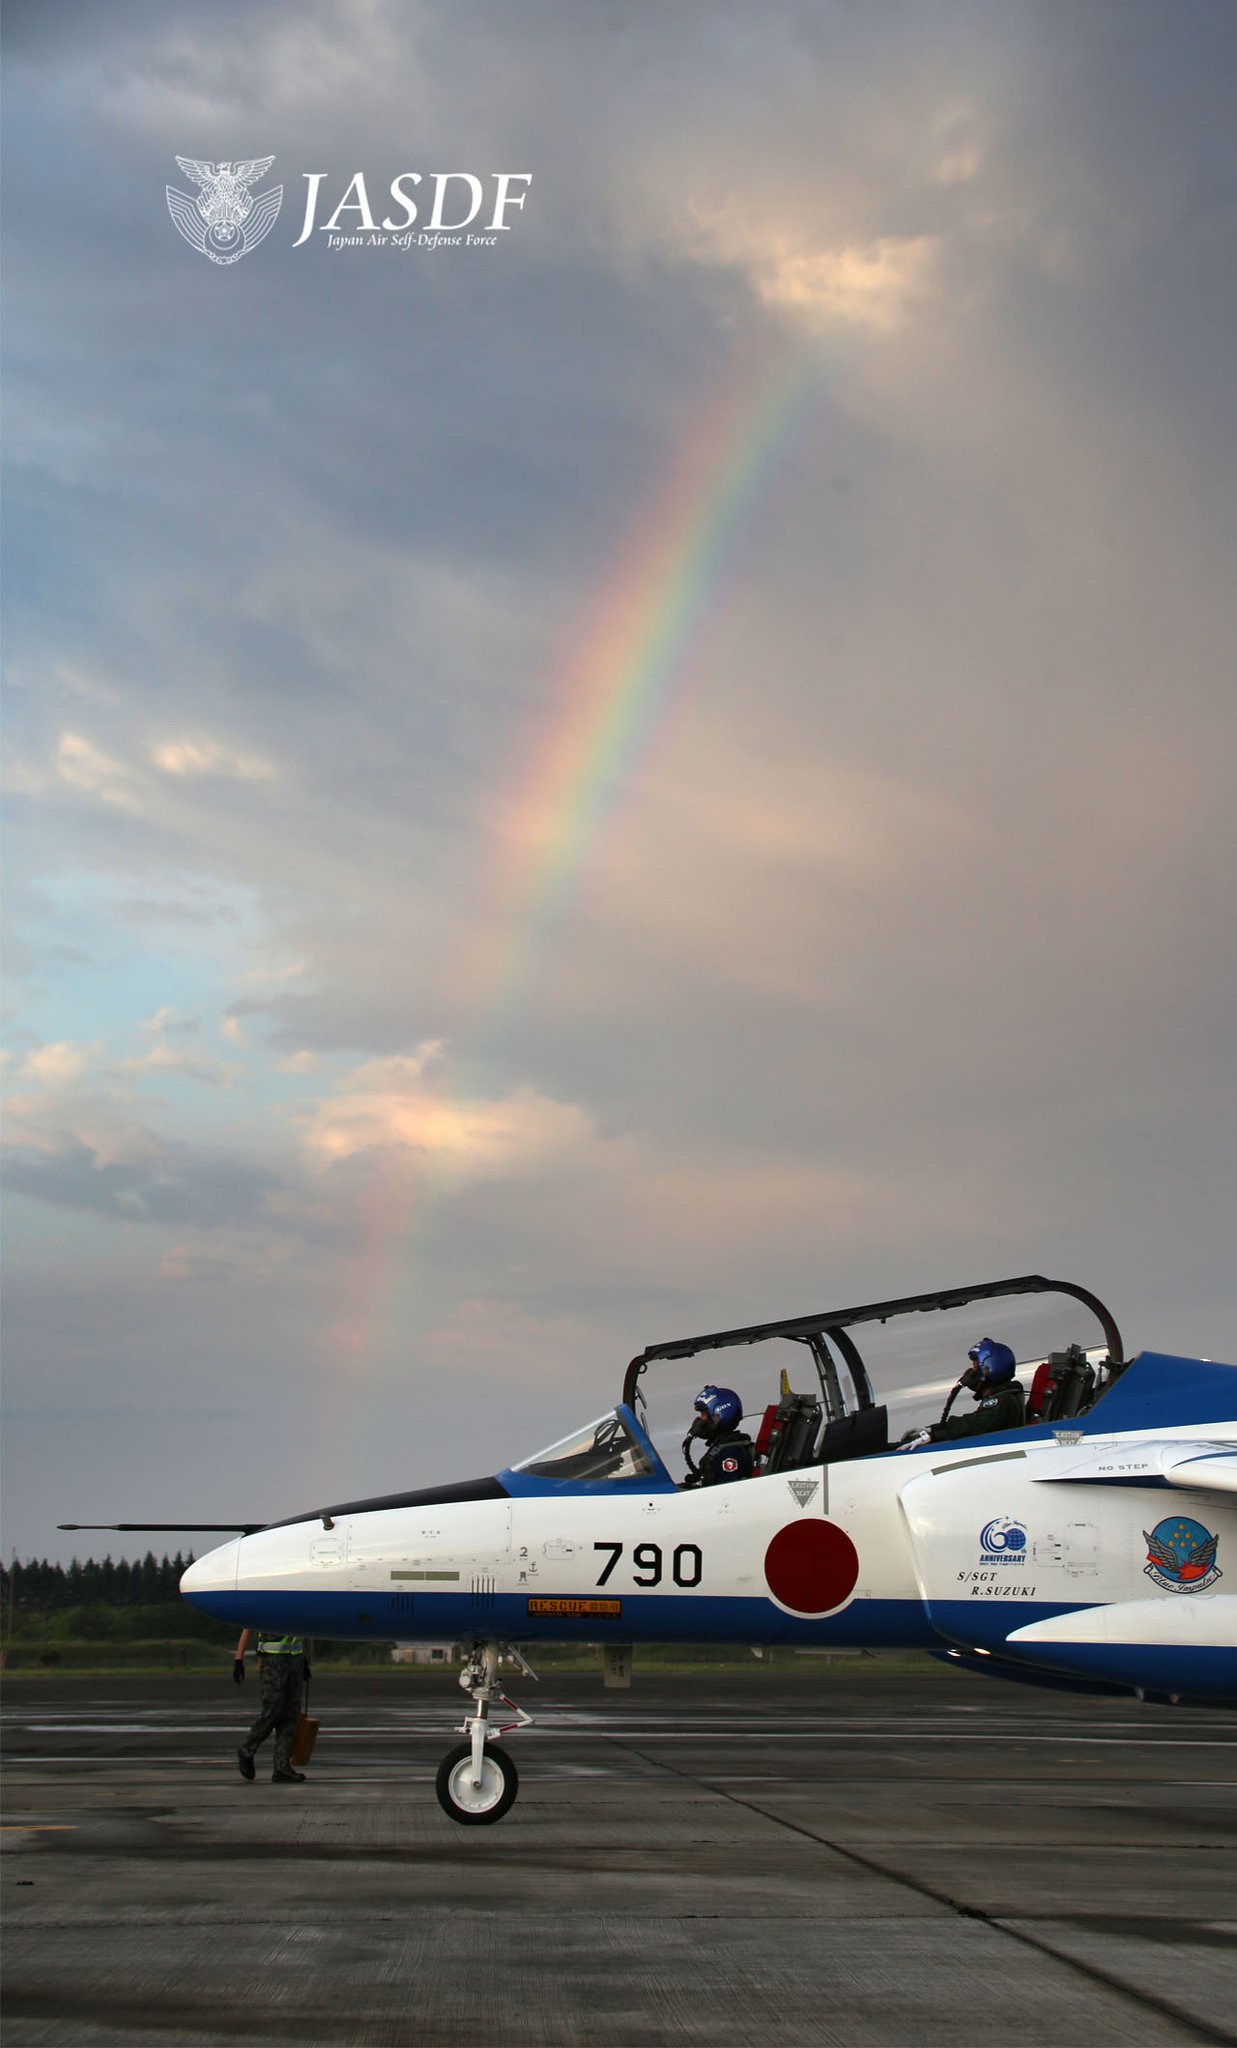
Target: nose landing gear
point(476, 1782)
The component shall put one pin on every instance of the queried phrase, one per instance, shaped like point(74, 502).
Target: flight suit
point(1004, 1408)
point(732, 1456)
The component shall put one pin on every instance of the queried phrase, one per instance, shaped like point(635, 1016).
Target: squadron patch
point(1181, 1555)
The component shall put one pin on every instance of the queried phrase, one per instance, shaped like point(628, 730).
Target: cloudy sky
point(669, 766)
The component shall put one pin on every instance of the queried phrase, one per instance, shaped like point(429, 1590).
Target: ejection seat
point(862, 1434)
point(788, 1435)
point(1063, 1385)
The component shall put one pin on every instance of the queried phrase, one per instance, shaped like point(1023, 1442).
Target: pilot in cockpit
point(1001, 1402)
point(729, 1453)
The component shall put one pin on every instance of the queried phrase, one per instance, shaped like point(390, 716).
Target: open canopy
point(827, 1334)
point(821, 1404)
point(810, 1398)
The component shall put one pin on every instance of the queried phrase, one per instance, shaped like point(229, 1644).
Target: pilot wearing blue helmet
point(1000, 1400)
point(729, 1452)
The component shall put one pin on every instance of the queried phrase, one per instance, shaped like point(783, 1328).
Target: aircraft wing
point(1202, 1467)
point(1208, 1621)
point(1186, 1649)
point(1215, 1470)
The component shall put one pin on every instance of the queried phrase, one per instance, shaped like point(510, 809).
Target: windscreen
point(605, 1449)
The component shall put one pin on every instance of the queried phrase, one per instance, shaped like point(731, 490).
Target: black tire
point(458, 1797)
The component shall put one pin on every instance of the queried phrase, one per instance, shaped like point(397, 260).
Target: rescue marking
point(570, 1607)
point(803, 1489)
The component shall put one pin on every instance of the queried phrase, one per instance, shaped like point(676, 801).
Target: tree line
point(107, 1582)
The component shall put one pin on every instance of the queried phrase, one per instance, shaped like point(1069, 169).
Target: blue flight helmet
point(994, 1363)
point(720, 1406)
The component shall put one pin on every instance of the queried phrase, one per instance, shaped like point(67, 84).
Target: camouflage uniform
point(281, 1677)
point(1004, 1408)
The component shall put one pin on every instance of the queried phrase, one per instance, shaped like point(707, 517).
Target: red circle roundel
point(811, 1567)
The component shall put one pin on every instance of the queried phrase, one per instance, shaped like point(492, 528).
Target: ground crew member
point(1001, 1402)
point(729, 1453)
point(282, 1670)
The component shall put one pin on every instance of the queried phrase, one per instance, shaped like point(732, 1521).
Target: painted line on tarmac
point(1003, 1738)
point(715, 1713)
point(824, 1725)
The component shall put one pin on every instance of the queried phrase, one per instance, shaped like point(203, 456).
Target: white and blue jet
point(1093, 1546)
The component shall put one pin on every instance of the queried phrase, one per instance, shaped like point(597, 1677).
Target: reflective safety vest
point(280, 1646)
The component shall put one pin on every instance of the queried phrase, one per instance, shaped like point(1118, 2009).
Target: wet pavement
point(828, 1854)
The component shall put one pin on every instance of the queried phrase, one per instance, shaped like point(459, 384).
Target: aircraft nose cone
point(214, 1573)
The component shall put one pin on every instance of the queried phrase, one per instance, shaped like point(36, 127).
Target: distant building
point(424, 1653)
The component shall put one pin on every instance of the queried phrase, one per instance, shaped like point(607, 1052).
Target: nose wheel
point(476, 1802)
point(477, 1782)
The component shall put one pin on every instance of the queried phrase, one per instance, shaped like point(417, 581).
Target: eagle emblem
point(1181, 1555)
point(226, 220)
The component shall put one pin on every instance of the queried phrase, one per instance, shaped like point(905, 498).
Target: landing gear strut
point(477, 1782)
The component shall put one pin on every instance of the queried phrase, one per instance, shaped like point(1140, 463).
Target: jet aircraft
point(1089, 1548)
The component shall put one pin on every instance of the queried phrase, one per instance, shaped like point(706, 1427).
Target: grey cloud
point(175, 1189)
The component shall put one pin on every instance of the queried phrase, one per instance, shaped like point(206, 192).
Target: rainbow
point(632, 647)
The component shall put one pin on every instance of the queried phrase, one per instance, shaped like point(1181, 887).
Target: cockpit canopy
point(805, 1385)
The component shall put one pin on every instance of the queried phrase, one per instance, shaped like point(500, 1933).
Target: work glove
point(238, 1672)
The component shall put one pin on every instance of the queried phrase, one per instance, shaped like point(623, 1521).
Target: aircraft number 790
point(686, 1563)
point(1049, 1550)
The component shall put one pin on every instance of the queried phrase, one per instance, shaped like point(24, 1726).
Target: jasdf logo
point(225, 221)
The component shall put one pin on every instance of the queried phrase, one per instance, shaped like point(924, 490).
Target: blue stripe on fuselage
point(649, 1618)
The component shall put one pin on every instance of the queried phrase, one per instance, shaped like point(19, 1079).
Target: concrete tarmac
point(830, 1854)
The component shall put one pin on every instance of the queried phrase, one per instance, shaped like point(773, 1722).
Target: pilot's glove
point(913, 1439)
point(238, 1672)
